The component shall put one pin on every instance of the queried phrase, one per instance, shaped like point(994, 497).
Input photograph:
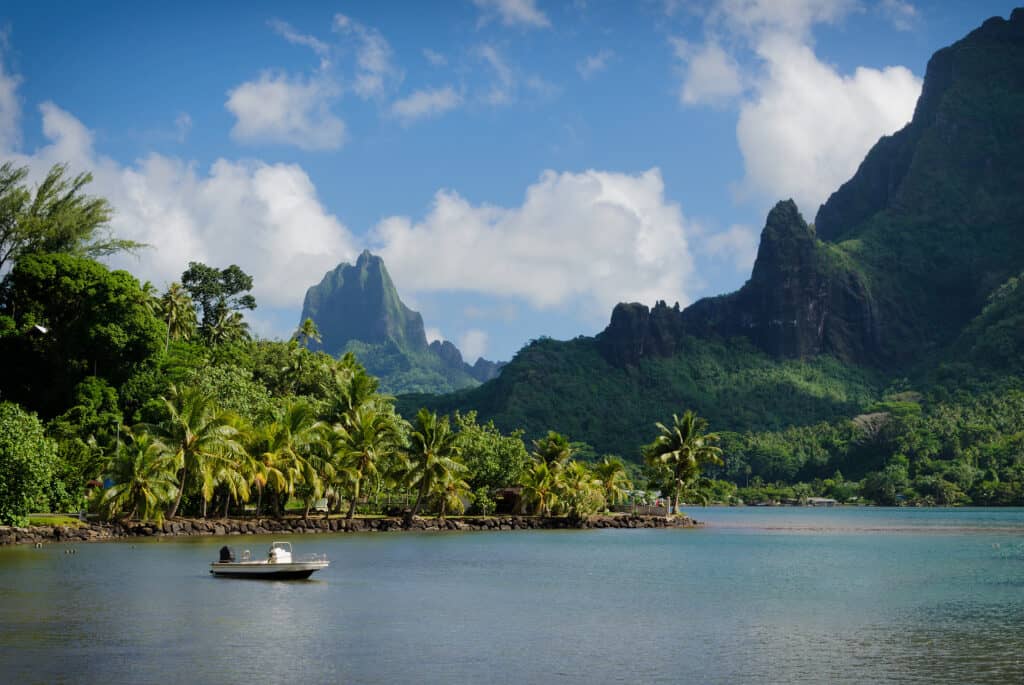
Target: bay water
point(758, 595)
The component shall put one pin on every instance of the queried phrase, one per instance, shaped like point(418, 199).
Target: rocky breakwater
point(210, 527)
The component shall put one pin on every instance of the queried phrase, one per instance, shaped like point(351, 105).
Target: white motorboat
point(279, 564)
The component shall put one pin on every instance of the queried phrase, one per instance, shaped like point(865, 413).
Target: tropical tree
point(56, 217)
point(614, 480)
point(27, 460)
point(362, 440)
point(218, 292)
point(540, 484)
point(579, 490)
point(196, 433)
point(142, 477)
point(306, 332)
point(681, 451)
point(434, 451)
point(291, 451)
point(347, 387)
point(554, 449)
point(229, 327)
point(178, 313)
point(450, 488)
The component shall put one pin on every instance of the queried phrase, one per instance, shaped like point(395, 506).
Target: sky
point(521, 165)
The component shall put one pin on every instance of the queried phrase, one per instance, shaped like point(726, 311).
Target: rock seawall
point(185, 527)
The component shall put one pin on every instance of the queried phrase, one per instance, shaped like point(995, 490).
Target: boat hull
point(265, 571)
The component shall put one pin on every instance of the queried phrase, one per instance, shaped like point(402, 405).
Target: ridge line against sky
point(521, 165)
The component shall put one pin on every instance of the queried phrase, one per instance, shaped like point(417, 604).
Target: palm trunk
point(177, 500)
point(227, 503)
point(204, 507)
point(440, 517)
point(352, 504)
point(675, 503)
point(424, 485)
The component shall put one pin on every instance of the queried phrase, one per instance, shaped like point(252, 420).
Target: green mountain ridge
point(357, 309)
point(909, 275)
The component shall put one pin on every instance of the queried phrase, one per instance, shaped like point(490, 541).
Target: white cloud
point(808, 127)
point(502, 90)
point(513, 13)
point(586, 240)
point(710, 75)
point(591, 65)
point(264, 217)
point(755, 18)
point(285, 30)
point(433, 334)
point(182, 126)
point(803, 127)
point(425, 103)
point(738, 244)
point(277, 108)
point(375, 72)
point(10, 106)
point(436, 59)
point(472, 345)
point(903, 15)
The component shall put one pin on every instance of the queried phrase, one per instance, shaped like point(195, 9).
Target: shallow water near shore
point(758, 595)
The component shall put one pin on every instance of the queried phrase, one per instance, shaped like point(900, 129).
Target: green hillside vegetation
point(571, 388)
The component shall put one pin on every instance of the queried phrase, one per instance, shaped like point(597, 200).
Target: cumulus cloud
point(591, 65)
point(710, 75)
point(808, 127)
point(10, 106)
point(426, 103)
point(285, 30)
point(294, 110)
point(737, 244)
point(375, 70)
point(264, 217)
point(436, 59)
point(588, 239)
point(433, 334)
point(903, 15)
point(473, 344)
point(522, 13)
point(803, 127)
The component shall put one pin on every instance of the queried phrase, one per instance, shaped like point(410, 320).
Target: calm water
point(760, 595)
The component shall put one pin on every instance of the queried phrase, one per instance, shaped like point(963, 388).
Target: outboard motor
point(226, 555)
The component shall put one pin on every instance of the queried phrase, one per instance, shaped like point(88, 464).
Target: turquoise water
point(759, 595)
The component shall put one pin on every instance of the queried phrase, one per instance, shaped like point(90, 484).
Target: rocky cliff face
point(357, 307)
point(360, 302)
point(905, 253)
point(802, 299)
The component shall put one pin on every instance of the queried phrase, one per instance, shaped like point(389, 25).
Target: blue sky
point(521, 165)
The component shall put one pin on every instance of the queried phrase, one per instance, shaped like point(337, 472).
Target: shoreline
point(184, 527)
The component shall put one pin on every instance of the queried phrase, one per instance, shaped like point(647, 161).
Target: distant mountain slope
point(908, 272)
point(357, 308)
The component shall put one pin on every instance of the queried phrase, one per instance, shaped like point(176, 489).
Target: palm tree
point(142, 478)
point(348, 387)
point(450, 488)
point(291, 451)
point(434, 451)
point(540, 488)
point(682, 451)
point(580, 490)
point(229, 327)
point(196, 432)
point(306, 332)
point(553, 449)
point(615, 482)
point(180, 314)
point(362, 440)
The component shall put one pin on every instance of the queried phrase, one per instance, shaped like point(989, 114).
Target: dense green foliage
point(27, 458)
point(572, 388)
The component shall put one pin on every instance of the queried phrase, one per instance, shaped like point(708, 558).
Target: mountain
point(357, 308)
point(911, 271)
